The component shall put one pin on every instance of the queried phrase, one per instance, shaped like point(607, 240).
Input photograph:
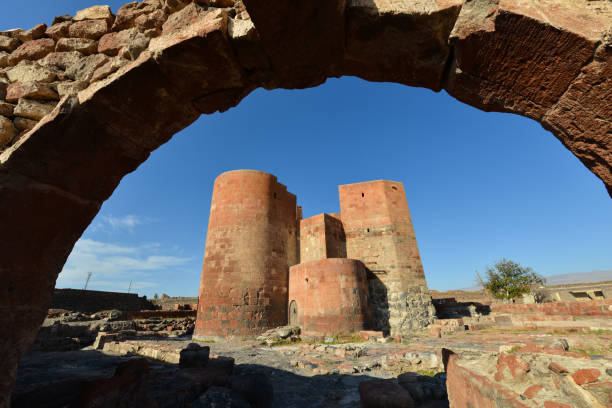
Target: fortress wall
point(331, 296)
point(91, 301)
point(312, 238)
point(322, 236)
point(250, 245)
point(335, 239)
point(379, 233)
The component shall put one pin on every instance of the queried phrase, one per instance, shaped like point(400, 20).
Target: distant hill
point(569, 278)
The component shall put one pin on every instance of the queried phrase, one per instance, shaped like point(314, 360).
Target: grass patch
point(597, 332)
point(286, 342)
point(589, 351)
point(427, 373)
point(207, 341)
point(513, 350)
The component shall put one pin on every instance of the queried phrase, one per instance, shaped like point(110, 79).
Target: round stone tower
point(250, 245)
point(329, 296)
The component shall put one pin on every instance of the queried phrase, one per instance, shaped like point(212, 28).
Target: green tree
point(508, 280)
point(156, 296)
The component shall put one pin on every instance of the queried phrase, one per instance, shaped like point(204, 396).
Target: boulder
point(83, 70)
point(33, 33)
point(95, 13)
point(30, 90)
point(29, 72)
point(23, 124)
point(61, 60)
point(194, 356)
point(112, 43)
point(92, 29)
point(7, 131)
point(83, 45)
point(32, 50)
point(8, 44)
point(31, 109)
point(6, 109)
point(59, 30)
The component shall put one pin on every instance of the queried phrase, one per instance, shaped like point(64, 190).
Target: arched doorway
point(293, 313)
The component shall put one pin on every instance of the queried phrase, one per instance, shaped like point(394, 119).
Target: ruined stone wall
point(322, 236)
point(379, 233)
point(577, 309)
point(331, 296)
point(250, 245)
point(91, 301)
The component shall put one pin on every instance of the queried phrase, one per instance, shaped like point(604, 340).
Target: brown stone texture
point(92, 29)
point(32, 50)
point(33, 33)
point(304, 41)
point(60, 30)
point(83, 45)
point(250, 245)
point(95, 13)
point(8, 43)
point(112, 43)
point(379, 233)
point(30, 90)
point(7, 131)
point(331, 296)
point(31, 109)
point(400, 41)
point(321, 236)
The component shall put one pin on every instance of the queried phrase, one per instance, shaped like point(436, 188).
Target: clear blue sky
point(480, 186)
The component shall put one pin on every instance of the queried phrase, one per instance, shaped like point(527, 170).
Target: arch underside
point(549, 60)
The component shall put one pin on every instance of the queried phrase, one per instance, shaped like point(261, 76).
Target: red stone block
point(553, 404)
point(532, 391)
point(367, 334)
point(558, 369)
point(586, 375)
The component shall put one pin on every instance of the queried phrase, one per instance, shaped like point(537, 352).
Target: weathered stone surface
point(4, 59)
point(112, 43)
point(245, 41)
point(400, 41)
point(108, 68)
point(384, 393)
point(497, 69)
point(92, 29)
point(304, 41)
point(23, 124)
point(83, 70)
point(32, 50)
point(59, 30)
point(33, 34)
point(61, 60)
point(83, 45)
point(30, 90)
point(71, 88)
point(8, 43)
point(95, 13)
point(61, 19)
point(28, 72)
point(7, 131)
point(6, 109)
point(199, 41)
point(30, 109)
point(582, 118)
point(147, 14)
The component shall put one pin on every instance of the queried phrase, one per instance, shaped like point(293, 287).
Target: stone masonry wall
point(322, 236)
point(379, 233)
point(91, 301)
point(250, 245)
point(331, 296)
point(41, 65)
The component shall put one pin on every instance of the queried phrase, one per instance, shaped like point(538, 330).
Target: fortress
point(265, 266)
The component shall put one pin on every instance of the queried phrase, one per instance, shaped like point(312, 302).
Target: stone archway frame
point(549, 60)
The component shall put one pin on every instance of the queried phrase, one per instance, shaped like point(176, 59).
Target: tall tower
point(379, 233)
point(250, 245)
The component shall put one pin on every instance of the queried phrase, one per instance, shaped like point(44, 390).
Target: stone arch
point(157, 65)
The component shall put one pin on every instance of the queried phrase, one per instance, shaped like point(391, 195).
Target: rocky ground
point(521, 360)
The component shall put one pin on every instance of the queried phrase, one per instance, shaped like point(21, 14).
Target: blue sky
point(480, 186)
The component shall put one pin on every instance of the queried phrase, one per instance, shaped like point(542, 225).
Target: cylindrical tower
point(329, 296)
point(250, 245)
